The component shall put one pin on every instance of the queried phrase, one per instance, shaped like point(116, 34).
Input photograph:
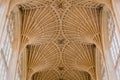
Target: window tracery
point(115, 46)
point(6, 49)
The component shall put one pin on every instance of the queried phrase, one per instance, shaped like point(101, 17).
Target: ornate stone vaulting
point(59, 39)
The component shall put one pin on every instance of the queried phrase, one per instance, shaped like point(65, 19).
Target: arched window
point(115, 45)
point(6, 48)
point(111, 44)
point(115, 41)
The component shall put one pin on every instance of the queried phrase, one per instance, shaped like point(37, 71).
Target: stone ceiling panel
point(61, 34)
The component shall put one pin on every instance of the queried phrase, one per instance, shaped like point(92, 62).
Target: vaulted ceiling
point(61, 38)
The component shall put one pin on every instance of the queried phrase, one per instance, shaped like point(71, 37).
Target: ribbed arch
point(79, 54)
point(77, 75)
point(39, 25)
point(42, 56)
point(79, 25)
point(68, 75)
point(46, 75)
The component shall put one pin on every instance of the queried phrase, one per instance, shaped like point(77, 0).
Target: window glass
point(115, 46)
point(6, 49)
point(3, 71)
point(118, 72)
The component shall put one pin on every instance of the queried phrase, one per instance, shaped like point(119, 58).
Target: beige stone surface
point(61, 37)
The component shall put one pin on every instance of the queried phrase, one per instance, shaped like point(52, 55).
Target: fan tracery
point(60, 6)
point(61, 36)
point(53, 75)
